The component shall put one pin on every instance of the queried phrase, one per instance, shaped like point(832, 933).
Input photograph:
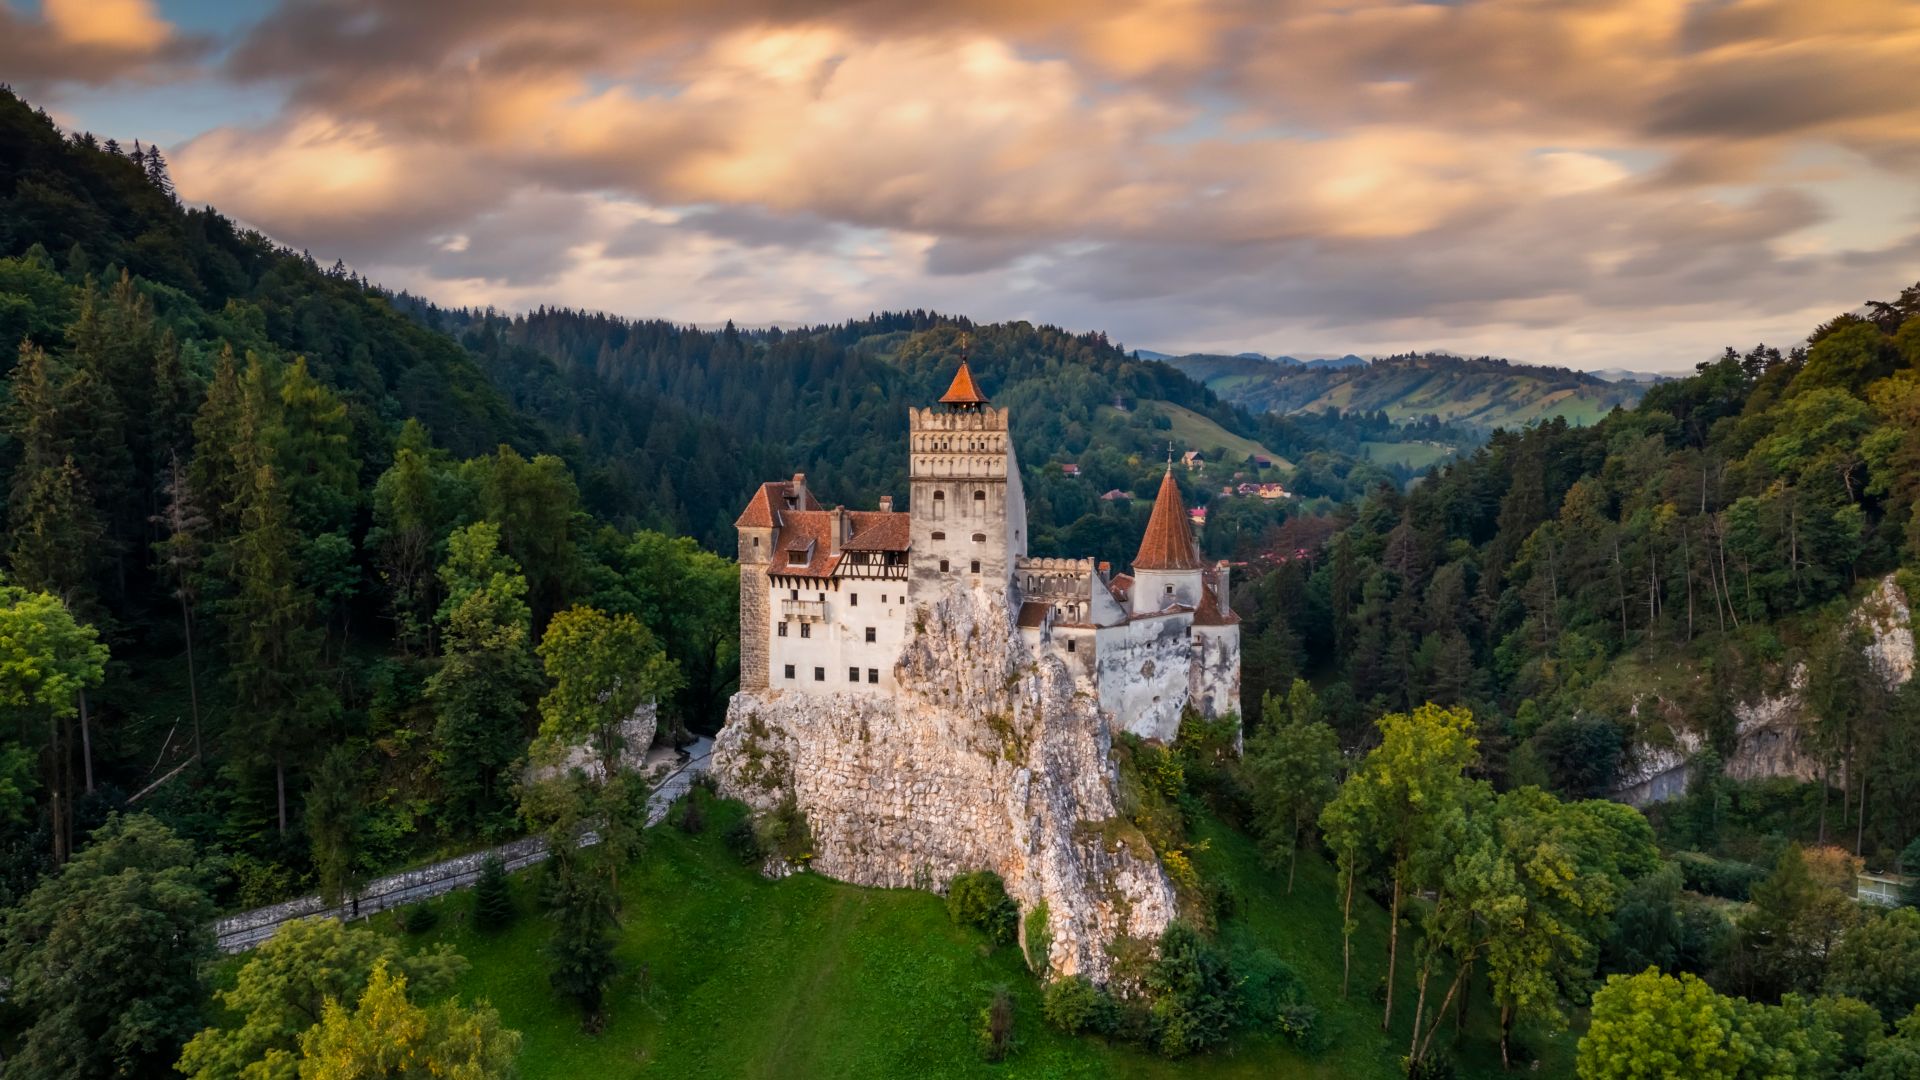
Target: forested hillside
point(1582, 587)
point(1479, 393)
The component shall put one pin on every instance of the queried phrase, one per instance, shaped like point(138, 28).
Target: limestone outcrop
point(985, 757)
point(1772, 732)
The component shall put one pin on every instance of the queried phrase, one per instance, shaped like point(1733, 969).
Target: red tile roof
point(963, 391)
point(1120, 585)
point(1168, 544)
point(875, 530)
point(770, 497)
point(801, 529)
point(1034, 612)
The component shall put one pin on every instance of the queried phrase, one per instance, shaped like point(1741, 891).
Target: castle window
point(1169, 590)
point(872, 635)
point(939, 495)
point(980, 495)
point(793, 594)
point(976, 566)
point(853, 674)
point(943, 566)
point(789, 671)
point(873, 674)
point(1070, 644)
point(979, 538)
point(853, 599)
point(756, 541)
point(939, 536)
point(783, 628)
point(820, 675)
point(806, 630)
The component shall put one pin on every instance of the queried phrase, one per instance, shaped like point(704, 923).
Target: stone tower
point(968, 510)
point(759, 532)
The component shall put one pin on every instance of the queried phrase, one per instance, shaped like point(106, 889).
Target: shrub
point(1431, 1067)
point(418, 919)
point(692, 819)
point(1267, 985)
point(1039, 938)
point(1724, 878)
point(783, 831)
point(744, 841)
point(1076, 1006)
point(980, 899)
point(1299, 1023)
point(996, 1026)
point(1193, 993)
point(492, 898)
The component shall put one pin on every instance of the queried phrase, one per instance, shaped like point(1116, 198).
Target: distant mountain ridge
point(1483, 392)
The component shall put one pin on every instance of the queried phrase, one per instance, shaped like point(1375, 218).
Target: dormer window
point(797, 557)
point(793, 503)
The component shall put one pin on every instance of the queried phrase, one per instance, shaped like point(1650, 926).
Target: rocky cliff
point(986, 758)
point(1772, 732)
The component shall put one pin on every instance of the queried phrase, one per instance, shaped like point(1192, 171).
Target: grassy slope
point(1414, 455)
point(811, 977)
point(1192, 431)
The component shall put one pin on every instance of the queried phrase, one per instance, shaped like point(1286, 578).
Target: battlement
point(985, 418)
point(1046, 565)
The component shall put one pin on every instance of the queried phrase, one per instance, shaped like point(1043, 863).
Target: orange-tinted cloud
point(1311, 164)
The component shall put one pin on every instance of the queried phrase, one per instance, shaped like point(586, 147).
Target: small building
point(1193, 459)
point(1260, 462)
point(1117, 495)
point(1069, 469)
point(1274, 491)
point(1197, 515)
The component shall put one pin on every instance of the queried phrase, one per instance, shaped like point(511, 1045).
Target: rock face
point(1772, 731)
point(985, 758)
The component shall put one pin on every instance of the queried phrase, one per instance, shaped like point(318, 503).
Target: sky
point(1588, 183)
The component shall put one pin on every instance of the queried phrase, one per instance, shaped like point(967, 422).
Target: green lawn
point(727, 974)
point(1414, 455)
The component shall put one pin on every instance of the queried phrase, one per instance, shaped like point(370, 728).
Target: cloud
point(91, 42)
point(1159, 168)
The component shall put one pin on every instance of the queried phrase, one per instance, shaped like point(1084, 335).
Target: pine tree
point(580, 953)
point(179, 556)
point(215, 473)
point(333, 823)
point(492, 897)
point(156, 167)
point(275, 651)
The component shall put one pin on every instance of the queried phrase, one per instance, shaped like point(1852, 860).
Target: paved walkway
point(238, 933)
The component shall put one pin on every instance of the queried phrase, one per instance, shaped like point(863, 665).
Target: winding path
point(243, 931)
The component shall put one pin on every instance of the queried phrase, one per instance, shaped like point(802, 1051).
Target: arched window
point(939, 495)
point(939, 536)
point(979, 538)
point(980, 495)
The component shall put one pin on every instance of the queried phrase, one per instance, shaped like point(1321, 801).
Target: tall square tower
point(969, 513)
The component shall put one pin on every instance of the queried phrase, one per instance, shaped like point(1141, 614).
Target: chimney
point(799, 486)
point(1106, 570)
point(1222, 588)
point(886, 504)
point(839, 534)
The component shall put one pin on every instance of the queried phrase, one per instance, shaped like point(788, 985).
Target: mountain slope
point(1482, 393)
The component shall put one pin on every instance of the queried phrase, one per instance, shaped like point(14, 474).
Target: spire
point(1168, 544)
point(964, 392)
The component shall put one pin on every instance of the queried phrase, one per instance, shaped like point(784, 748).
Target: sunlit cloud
point(1576, 183)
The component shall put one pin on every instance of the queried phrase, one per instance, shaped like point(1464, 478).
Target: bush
point(1724, 878)
point(692, 820)
point(744, 841)
point(492, 898)
point(996, 1026)
point(1267, 985)
point(1076, 1006)
point(417, 919)
point(1193, 993)
point(1039, 938)
point(980, 899)
point(1299, 1023)
point(783, 831)
point(1432, 1067)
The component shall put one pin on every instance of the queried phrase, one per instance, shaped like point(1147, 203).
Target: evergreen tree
point(492, 897)
point(580, 957)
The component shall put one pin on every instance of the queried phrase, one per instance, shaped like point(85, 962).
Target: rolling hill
point(1482, 392)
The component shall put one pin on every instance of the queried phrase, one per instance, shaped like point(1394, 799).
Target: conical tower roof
point(963, 391)
point(1168, 544)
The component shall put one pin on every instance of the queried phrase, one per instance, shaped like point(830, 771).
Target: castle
point(828, 597)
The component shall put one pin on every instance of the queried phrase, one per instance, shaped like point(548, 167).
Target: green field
point(1192, 431)
point(728, 974)
point(1414, 455)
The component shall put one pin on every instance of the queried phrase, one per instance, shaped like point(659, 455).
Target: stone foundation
point(985, 759)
